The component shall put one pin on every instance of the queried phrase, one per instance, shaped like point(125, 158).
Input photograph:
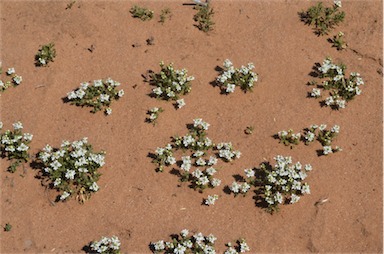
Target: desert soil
point(140, 205)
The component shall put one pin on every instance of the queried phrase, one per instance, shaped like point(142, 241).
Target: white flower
point(184, 233)
point(308, 167)
point(180, 103)
point(327, 150)
point(230, 88)
point(335, 129)
point(157, 91)
point(179, 249)
point(211, 171)
point(104, 97)
point(340, 103)
point(316, 92)
point(322, 127)
point(108, 111)
point(245, 187)
point(98, 83)
point(278, 197)
point(84, 85)
point(27, 136)
point(198, 153)
point(1, 125)
point(42, 61)
point(17, 79)
point(212, 161)
point(305, 189)
point(294, 199)
point(71, 95)
point(200, 162)
point(244, 246)
point(10, 71)
point(170, 160)
point(211, 199)
point(235, 187)
point(18, 126)
point(64, 195)
point(329, 101)
point(70, 174)
point(22, 147)
point(57, 182)
point(55, 165)
point(227, 63)
point(94, 187)
point(80, 94)
point(337, 3)
point(159, 245)
point(215, 182)
point(120, 93)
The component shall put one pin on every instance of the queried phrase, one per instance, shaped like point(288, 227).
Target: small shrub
point(141, 13)
point(249, 130)
point(324, 19)
point(232, 77)
point(99, 95)
point(170, 83)
point(338, 41)
point(165, 14)
point(72, 169)
point(289, 138)
point(154, 114)
point(204, 17)
point(15, 79)
point(46, 54)
point(7, 227)
point(14, 145)
point(106, 245)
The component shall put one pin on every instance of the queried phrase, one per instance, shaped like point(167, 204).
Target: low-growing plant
point(7, 227)
point(106, 245)
point(204, 16)
point(154, 114)
point(324, 136)
point(99, 95)
point(165, 14)
point(342, 88)
point(338, 41)
point(275, 185)
point(170, 83)
point(15, 79)
point(14, 145)
point(46, 54)
point(232, 77)
point(185, 242)
point(249, 130)
point(71, 169)
point(324, 19)
point(211, 199)
point(289, 138)
point(141, 13)
point(199, 148)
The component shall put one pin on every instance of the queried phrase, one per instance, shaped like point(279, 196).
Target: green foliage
point(324, 19)
point(338, 41)
point(289, 138)
point(204, 17)
point(45, 54)
point(7, 227)
point(141, 13)
point(165, 13)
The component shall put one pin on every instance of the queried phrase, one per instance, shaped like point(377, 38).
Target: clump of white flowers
point(154, 114)
point(187, 242)
point(45, 54)
point(164, 157)
point(14, 145)
point(15, 79)
point(98, 95)
point(180, 103)
point(106, 245)
point(72, 169)
point(289, 138)
point(226, 151)
point(170, 83)
point(342, 88)
point(211, 199)
point(276, 184)
point(231, 77)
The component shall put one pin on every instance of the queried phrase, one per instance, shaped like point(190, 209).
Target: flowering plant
point(106, 245)
point(72, 169)
point(338, 41)
point(342, 88)
point(324, 136)
point(197, 243)
point(323, 18)
point(275, 184)
point(15, 79)
point(14, 145)
point(170, 83)
point(154, 114)
point(99, 95)
point(289, 138)
point(232, 77)
point(45, 54)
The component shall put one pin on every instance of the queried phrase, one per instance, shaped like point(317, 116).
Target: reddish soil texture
point(139, 205)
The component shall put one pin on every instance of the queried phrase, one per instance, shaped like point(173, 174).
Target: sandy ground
point(139, 205)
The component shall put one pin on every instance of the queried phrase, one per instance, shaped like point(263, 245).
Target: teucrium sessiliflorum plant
point(14, 145)
point(15, 79)
point(185, 242)
point(72, 169)
point(232, 77)
point(154, 114)
point(276, 184)
point(106, 245)
point(170, 83)
point(46, 54)
point(341, 88)
point(324, 19)
point(98, 95)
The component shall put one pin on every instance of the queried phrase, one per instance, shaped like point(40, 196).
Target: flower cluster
point(241, 247)
point(14, 145)
point(72, 169)
point(14, 81)
point(171, 83)
point(275, 184)
point(232, 77)
point(45, 54)
point(324, 136)
point(289, 138)
point(197, 243)
point(202, 157)
point(342, 88)
point(106, 245)
point(153, 115)
point(98, 95)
